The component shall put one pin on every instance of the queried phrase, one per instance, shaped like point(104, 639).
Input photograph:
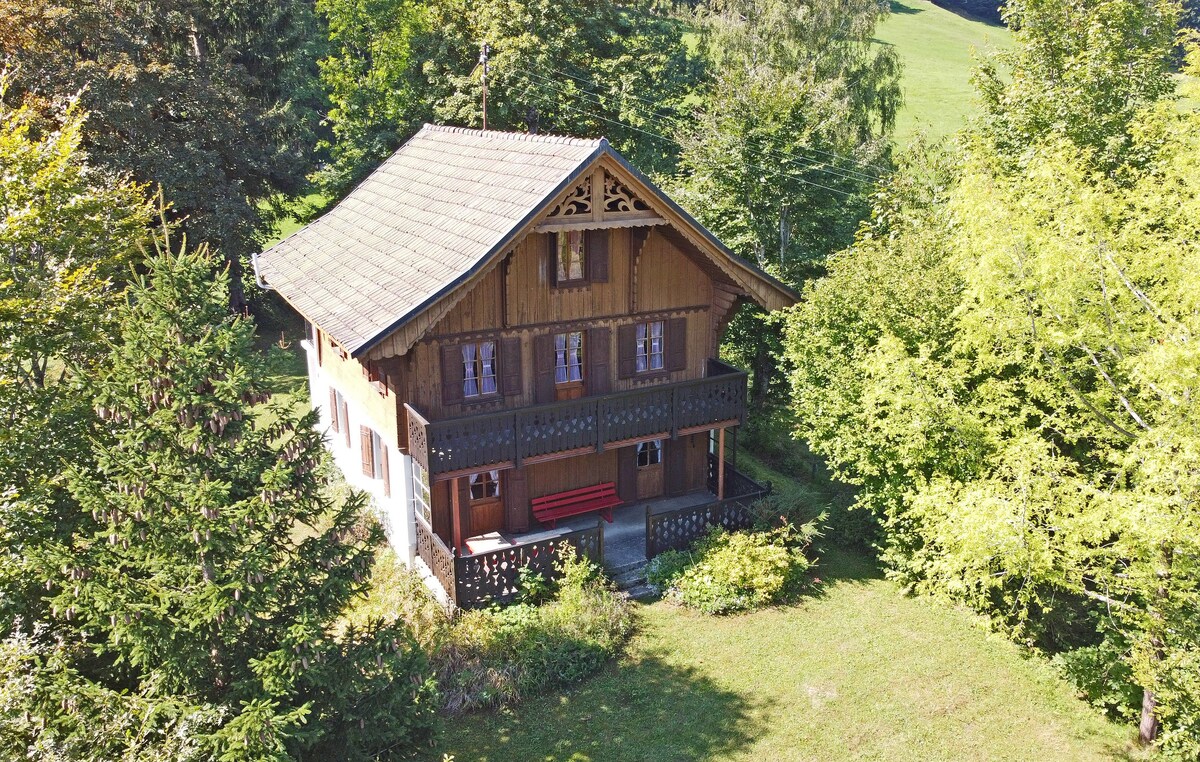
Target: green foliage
point(583, 67)
point(1080, 71)
point(216, 104)
point(1006, 361)
point(730, 572)
point(68, 233)
point(1102, 675)
point(492, 658)
point(205, 566)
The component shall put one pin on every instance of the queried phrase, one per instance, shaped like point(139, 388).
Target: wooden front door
point(649, 469)
point(487, 506)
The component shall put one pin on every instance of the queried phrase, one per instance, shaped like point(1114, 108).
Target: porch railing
point(507, 438)
point(676, 530)
point(481, 579)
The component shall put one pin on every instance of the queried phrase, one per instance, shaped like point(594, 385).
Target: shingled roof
point(431, 216)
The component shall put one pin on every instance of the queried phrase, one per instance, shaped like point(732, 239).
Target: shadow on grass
point(904, 10)
point(648, 709)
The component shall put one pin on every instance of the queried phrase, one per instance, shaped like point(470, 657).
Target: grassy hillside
point(936, 47)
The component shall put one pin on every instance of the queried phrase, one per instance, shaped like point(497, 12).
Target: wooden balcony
point(510, 438)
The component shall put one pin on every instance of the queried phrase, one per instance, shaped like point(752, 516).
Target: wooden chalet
point(511, 334)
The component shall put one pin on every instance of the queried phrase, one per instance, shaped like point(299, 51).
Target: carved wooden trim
point(565, 325)
point(578, 202)
point(619, 198)
point(571, 223)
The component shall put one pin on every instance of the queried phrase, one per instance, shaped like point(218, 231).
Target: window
point(421, 501)
point(649, 453)
point(572, 253)
point(485, 485)
point(649, 346)
point(479, 369)
point(568, 357)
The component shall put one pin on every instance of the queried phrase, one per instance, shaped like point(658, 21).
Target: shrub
point(492, 658)
point(1101, 674)
point(740, 571)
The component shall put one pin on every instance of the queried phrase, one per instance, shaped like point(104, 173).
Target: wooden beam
point(456, 512)
point(645, 220)
point(721, 465)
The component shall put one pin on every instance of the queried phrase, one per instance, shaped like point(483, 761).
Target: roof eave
point(789, 294)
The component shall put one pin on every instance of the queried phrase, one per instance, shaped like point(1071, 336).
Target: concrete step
point(619, 569)
point(640, 592)
point(629, 576)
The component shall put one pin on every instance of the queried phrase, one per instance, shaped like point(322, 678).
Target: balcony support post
point(721, 464)
point(460, 527)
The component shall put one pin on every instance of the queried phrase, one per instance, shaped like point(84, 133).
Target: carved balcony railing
point(561, 429)
point(481, 579)
point(676, 530)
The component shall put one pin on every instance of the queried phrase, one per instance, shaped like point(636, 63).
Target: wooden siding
point(668, 278)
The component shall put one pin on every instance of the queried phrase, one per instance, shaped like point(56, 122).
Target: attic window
point(572, 255)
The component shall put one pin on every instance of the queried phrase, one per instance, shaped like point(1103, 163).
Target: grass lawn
point(857, 672)
point(935, 45)
point(860, 672)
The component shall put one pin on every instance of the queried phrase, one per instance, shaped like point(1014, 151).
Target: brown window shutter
point(334, 413)
point(368, 458)
point(627, 473)
point(626, 351)
point(452, 374)
point(676, 344)
point(516, 500)
point(543, 368)
point(596, 250)
point(510, 367)
point(552, 258)
point(599, 373)
point(319, 340)
point(387, 475)
point(676, 465)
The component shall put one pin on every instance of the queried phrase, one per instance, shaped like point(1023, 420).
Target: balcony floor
point(624, 539)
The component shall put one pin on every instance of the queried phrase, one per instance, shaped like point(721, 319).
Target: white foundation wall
point(395, 511)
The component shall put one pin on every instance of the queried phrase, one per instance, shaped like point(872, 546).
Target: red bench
point(599, 497)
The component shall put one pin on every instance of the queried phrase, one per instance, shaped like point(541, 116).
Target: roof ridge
point(525, 136)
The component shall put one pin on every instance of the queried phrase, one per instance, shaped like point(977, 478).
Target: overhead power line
point(810, 149)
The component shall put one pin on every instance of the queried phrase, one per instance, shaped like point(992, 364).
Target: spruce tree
point(217, 562)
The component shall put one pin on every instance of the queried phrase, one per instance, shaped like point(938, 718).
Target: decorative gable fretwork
point(578, 204)
point(601, 199)
point(618, 198)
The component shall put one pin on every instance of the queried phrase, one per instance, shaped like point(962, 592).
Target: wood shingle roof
point(434, 214)
point(409, 232)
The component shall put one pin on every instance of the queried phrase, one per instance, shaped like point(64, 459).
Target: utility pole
point(484, 50)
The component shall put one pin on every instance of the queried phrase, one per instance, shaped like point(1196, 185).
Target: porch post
point(457, 506)
point(721, 465)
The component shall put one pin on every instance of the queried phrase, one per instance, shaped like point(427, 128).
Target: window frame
point(422, 494)
point(565, 354)
point(644, 347)
point(654, 453)
point(562, 240)
point(489, 482)
point(477, 365)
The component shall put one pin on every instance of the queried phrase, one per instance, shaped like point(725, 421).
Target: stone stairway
point(630, 579)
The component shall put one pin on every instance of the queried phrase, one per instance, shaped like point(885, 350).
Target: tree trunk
point(237, 294)
point(1148, 727)
point(763, 368)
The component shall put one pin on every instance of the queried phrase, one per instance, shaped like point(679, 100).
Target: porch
point(486, 570)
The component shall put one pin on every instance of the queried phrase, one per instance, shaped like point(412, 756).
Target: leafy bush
point(739, 571)
point(492, 658)
point(1101, 675)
